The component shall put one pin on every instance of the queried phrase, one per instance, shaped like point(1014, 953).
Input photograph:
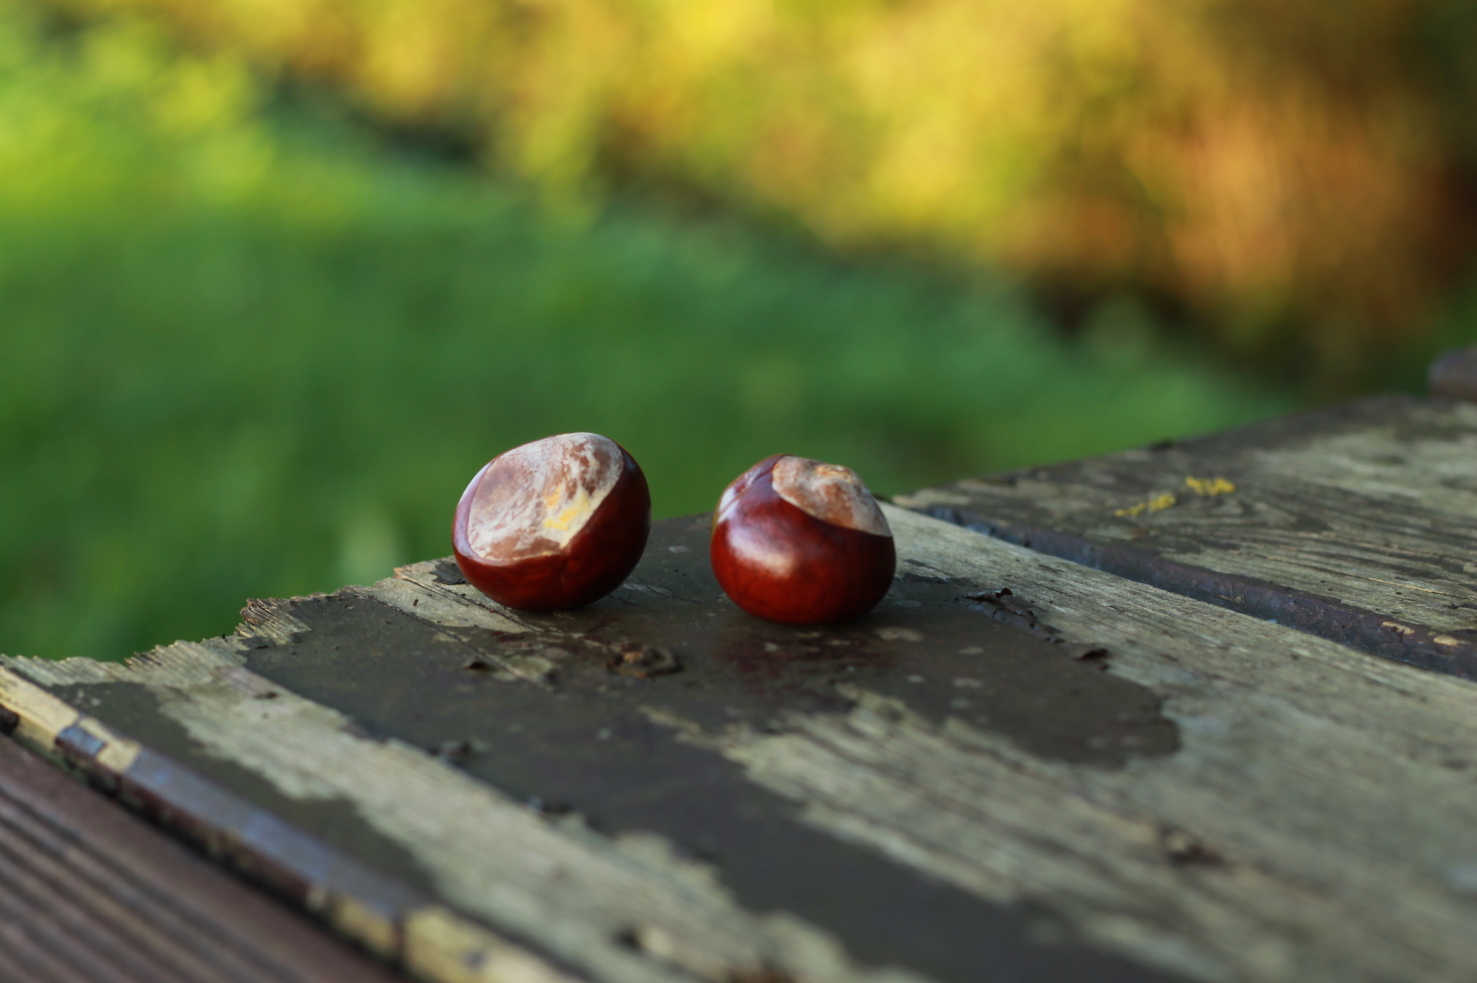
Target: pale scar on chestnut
point(829, 492)
point(801, 541)
point(534, 499)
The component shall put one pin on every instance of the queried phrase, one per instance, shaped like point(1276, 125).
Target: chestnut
point(802, 542)
point(554, 524)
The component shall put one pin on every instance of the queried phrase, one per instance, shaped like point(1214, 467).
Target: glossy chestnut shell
point(802, 542)
point(554, 524)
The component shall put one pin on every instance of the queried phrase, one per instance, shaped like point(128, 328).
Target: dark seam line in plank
point(1324, 617)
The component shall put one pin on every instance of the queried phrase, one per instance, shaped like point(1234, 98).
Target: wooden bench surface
point(1018, 768)
point(1357, 523)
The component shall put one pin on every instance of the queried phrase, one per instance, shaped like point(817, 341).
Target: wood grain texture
point(1310, 814)
point(1357, 523)
point(597, 887)
point(92, 894)
point(395, 921)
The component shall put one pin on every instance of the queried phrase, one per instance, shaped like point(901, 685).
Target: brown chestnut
point(554, 524)
point(803, 542)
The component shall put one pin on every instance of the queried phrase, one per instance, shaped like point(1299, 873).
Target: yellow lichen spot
point(1156, 504)
point(1398, 627)
point(1445, 640)
point(1162, 502)
point(1209, 487)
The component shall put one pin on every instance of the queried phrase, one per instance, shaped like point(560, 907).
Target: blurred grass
point(1297, 176)
point(250, 351)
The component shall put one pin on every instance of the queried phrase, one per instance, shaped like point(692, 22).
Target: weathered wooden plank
point(244, 826)
point(549, 701)
point(927, 794)
point(93, 894)
point(1357, 523)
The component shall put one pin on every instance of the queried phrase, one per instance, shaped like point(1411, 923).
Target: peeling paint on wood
point(1357, 523)
point(1204, 796)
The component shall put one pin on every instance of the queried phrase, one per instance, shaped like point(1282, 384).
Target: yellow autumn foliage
point(1290, 172)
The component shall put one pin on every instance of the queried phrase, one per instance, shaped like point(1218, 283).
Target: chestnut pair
point(560, 522)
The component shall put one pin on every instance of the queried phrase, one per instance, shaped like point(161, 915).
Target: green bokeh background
point(252, 347)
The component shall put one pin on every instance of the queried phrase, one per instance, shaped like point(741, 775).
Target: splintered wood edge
point(428, 940)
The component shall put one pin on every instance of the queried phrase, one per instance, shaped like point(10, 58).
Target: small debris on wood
point(544, 808)
point(1002, 606)
point(456, 751)
point(1183, 850)
point(645, 662)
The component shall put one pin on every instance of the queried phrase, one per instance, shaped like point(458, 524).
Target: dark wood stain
point(270, 835)
point(583, 739)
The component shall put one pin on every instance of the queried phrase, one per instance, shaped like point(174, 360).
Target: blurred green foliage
point(249, 351)
point(1297, 176)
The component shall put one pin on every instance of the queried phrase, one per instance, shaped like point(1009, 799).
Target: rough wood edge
point(428, 940)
